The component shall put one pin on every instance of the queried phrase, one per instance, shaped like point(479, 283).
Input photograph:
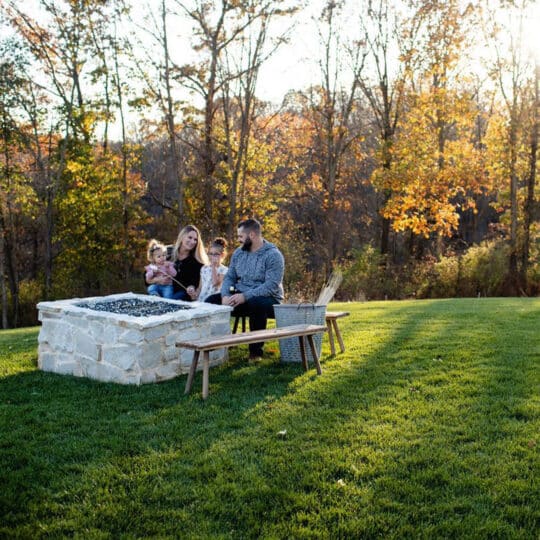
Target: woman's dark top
point(188, 272)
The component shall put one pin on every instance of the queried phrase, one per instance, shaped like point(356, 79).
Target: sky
point(294, 65)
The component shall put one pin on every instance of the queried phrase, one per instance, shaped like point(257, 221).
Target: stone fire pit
point(125, 338)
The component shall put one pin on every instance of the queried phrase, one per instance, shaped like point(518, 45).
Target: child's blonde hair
point(153, 246)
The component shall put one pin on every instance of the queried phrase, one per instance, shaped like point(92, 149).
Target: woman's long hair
point(198, 251)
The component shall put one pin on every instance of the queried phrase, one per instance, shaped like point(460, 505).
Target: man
point(254, 281)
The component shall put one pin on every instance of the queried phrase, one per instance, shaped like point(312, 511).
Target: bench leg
point(236, 321)
point(331, 338)
point(303, 353)
point(314, 354)
point(338, 335)
point(192, 370)
point(205, 376)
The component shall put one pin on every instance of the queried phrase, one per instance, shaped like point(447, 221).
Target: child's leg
point(153, 289)
point(167, 291)
point(181, 295)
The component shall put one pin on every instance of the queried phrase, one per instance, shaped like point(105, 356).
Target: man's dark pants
point(259, 309)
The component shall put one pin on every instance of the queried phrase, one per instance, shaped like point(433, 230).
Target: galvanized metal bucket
point(290, 314)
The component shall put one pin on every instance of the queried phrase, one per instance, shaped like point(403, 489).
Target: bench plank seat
point(230, 340)
point(205, 345)
point(331, 323)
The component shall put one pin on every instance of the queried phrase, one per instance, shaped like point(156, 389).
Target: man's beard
point(246, 246)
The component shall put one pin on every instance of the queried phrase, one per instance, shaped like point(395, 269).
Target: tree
point(109, 46)
point(90, 225)
point(77, 55)
point(435, 167)
point(335, 124)
point(529, 209)
point(17, 195)
point(222, 31)
point(390, 39)
point(513, 72)
point(240, 107)
point(59, 45)
point(156, 69)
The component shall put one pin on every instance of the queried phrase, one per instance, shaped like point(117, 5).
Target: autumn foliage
point(409, 162)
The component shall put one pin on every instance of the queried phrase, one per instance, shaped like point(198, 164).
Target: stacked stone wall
point(126, 350)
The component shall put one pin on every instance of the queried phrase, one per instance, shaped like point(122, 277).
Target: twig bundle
point(328, 291)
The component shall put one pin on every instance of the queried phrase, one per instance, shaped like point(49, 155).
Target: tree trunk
point(208, 148)
point(3, 289)
point(513, 277)
point(125, 198)
point(7, 228)
point(49, 220)
point(10, 267)
point(171, 126)
point(531, 182)
point(385, 232)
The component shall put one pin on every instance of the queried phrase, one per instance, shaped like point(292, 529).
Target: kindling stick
point(175, 280)
point(181, 285)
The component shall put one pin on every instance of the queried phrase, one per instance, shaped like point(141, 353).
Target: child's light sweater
point(207, 287)
point(166, 269)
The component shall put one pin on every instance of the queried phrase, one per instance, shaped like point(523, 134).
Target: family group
point(251, 284)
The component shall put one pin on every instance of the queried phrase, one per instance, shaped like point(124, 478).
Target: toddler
point(160, 272)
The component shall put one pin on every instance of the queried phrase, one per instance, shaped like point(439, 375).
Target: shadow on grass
point(66, 440)
point(305, 473)
point(376, 446)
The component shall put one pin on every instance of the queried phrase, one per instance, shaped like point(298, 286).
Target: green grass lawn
point(428, 426)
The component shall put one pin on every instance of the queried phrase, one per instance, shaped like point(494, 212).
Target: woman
point(189, 257)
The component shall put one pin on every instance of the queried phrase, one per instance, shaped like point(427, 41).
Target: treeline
point(410, 164)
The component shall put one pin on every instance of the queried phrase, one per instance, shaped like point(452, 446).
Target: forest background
point(407, 158)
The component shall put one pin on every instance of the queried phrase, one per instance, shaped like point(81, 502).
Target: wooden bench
point(331, 324)
point(205, 345)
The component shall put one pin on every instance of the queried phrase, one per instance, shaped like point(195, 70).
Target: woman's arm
point(200, 286)
point(170, 269)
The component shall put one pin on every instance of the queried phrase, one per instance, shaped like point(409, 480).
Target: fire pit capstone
point(125, 338)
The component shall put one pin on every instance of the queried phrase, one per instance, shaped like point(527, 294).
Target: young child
point(159, 272)
point(212, 275)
